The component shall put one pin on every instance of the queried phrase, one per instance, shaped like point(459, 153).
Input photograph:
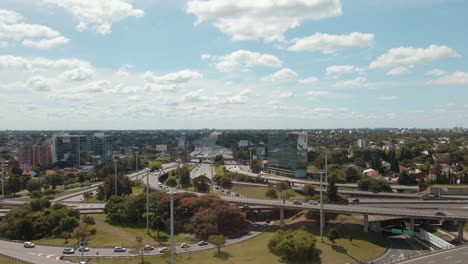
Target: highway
point(453, 256)
point(400, 247)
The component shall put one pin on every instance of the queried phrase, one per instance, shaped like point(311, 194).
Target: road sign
point(408, 232)
point(396, 231)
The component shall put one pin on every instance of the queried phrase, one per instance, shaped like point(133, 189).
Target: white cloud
point(286, 94)
point(95, 87)
point(99, 15)
point(237, 99)
point(317, 93)
point(268, 19)
point(455, 79)
point(409, 56)
point(247, 91)
point(436, 72)
point(337, 70)
point(3, 44)
point(359, 82)
point(10, 62)
point(196, 96)
point(40, 84)
point(78, 74)
point(45, 43)
point(245, 59)
point(281, 75)
point(388, 97)
point(397, 71)
point(205, 56)
point(332, 44)
point(179, 77)
point(30, 35)
point(311, 79)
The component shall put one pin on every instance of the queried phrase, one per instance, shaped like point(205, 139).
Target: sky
point(233, 64)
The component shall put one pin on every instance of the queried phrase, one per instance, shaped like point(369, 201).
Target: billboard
point(243, 143)
point(162, 147)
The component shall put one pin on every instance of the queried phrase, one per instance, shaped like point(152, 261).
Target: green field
point(258, 192)
point(6, 260)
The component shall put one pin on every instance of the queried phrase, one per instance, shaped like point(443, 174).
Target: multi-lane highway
point(452, 256)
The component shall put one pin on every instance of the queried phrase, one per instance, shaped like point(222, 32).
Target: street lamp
point(115, 176)
point(322, 224)
point(147, 199)
point(171, 195)
point(136, 164)
point(3, 179)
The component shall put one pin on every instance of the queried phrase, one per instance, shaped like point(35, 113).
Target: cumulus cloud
point(337, 70)
point(410, 56)
point(332, 44)
point(98, 15)
point(455, 79)
point(359, 82)
point(311, 79)
point(237, 99)
point(242, 59)
point(286, 94)
point(317, 93)
point(281, 75)
point(95, 87)
point(10, 62)
point(436, 72)
point(40, 84)
point(178, 77)
point(247, 91)
point(397, 71)
point(268, 19)
point(78, 74)
point(31, 35)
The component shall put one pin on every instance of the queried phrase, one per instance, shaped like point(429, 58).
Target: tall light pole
point(3, 179)
point(171, 194)
point(212, 183)
point(147, 200)
point(115, 176)
point(136, 164)
point(322, 224)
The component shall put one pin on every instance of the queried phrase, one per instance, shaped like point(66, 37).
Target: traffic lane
point(409, 205)
point(38, 254)
point(400, 248)
point(452, 256)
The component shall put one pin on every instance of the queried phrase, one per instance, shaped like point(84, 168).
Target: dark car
point(440, 214)
point(120, 249)
point(355, 200)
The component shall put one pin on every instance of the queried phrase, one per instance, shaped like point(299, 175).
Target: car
point(228, 191)
point(267, 221)
point(297, 202)
point(440, 214)
point(83, 248)
point(148, 247)
point(184, 245)
point(355, 200)
point(29, 244)
point(236, 194)
point(82, 262)
point(202, 243)
point(68, 251)
point(313, 202)
point(245, 206)
point(160, 185)
point(119, 249)
point(163, 249)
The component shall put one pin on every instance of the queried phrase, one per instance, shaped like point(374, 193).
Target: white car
point(312, 202)
point(184, 245)
point(29, 244)
point(163, 249)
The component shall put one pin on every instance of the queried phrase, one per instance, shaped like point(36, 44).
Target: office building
point(69, 149)
point(30, 155)
point(102, 147)
point(361, 143)
point(287, 154)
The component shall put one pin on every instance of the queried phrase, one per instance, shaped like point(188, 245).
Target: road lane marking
point(432, 261)
point(458, 261)
point(448, 257)
point(465, 253)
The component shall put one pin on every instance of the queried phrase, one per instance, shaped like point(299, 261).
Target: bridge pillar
point(281, 217)
point(366, 223)
point(411, 224)
point(460, 230)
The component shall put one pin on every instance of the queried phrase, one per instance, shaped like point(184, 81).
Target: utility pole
point(147, 200)
point(171, 194)
point(115, 177)
point(3, 180)
point(322, 224)
point(136, 164)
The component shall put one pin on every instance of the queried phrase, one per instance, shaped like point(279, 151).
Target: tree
point(406, 179)
point(298, 245)
point(201, 184)
point(34, 185)
point(87, 195)
point(171, 181)
point(271, 193)
point(87, 219)
point(333, 235)
point(80, 232)
point(155, 165)
point(217, 240)
point(124, 185)
point(360, 162)
point(184, 176)
point(256, 166)
point(219, 160)
point(351, 175)
point(14, 184)
point(308, 189)
point(100, 193)
point(158, 224)
point(332, 190)
point(281, 187)
point(54, 180)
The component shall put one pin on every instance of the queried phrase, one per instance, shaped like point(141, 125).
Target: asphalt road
point(400, 247)
point(453, 256)
point(202, 169)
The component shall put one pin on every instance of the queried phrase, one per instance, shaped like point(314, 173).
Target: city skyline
point(232, 64)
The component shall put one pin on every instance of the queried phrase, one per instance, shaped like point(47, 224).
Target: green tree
point(201, 184)
point(351, 175)
point(171, 181)
point(34, 185)
point(158, 224)
point(298, 245)
point(217, 240)
point(308, 189)
point(101, 195)
point(333, 235)
point(332, 190)
point(256, 166)
point(271, 193)
point(87, 195)
point(184, 176)
point(281, 187)
point(14, 184)
point(155, 165)
point(219, 160)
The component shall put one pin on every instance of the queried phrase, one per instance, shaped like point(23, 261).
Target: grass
point(219, 170)
point(258, 192)
point(444, 186)
point(255, 250)
point(6, 260)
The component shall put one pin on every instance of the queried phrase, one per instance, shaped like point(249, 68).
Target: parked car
point(355, 200)
point(202, 243)
point(68, 251)
point(120, 249)
point(83, 248)
point(163, 249)
point(313, 202)
point(148, 247)
point(184, 245)
point(297, 202)
point(29, 244)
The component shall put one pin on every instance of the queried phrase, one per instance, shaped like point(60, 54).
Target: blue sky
point(141, 64)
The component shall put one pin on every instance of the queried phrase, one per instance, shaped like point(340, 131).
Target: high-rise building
point(361, 143)
point(34, 155)
point(287, 154)
point(70, 149)
point(102, 147)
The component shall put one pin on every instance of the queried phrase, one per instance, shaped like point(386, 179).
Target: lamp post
point(3, 180)
point(171, 195)
point(136, 164)
point(115, 177)
point(147, 199)
point(322, 224)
